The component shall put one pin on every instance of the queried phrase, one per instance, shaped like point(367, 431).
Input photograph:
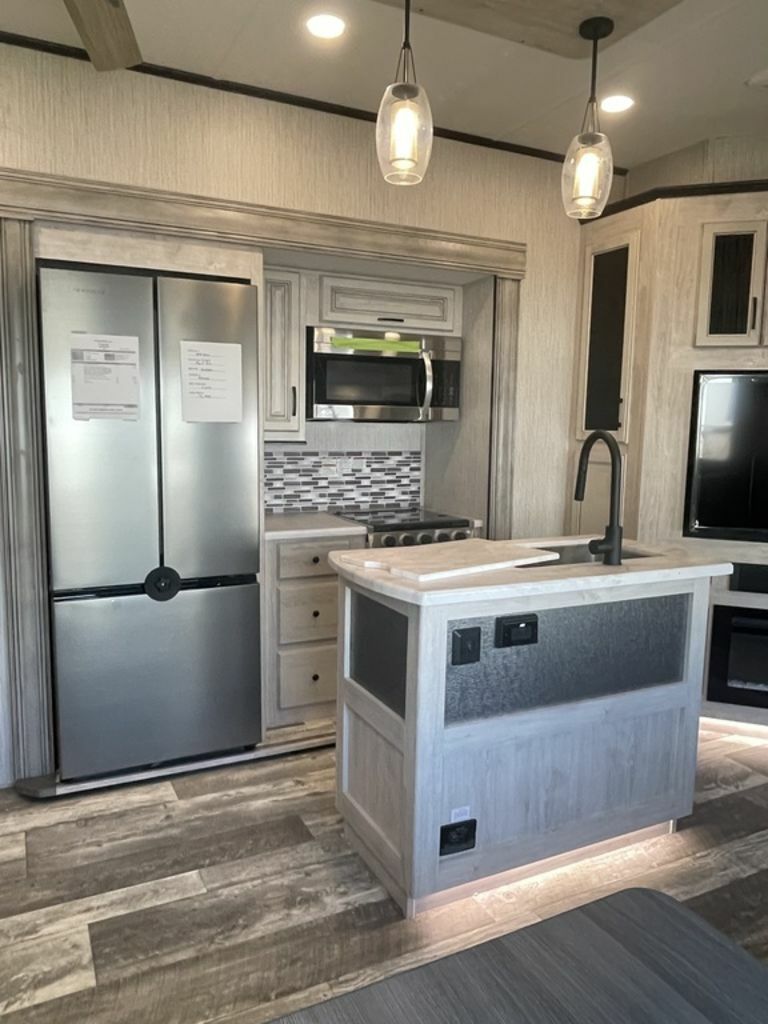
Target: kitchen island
point(500, 724)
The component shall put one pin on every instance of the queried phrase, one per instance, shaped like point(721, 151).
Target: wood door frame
point(30, 202)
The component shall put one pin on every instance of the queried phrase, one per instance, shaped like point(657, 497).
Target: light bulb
point(404, 152)
point(404, 133)
point(586, 178)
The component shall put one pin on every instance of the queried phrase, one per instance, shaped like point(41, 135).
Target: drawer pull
point(316, 560)
point(315, 678)
point(315, 614)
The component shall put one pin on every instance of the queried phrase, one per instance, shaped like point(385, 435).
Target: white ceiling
point(687, 69)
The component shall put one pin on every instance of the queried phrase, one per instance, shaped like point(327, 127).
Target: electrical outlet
point(458, 837)
point(466, 645)
point(516, 630)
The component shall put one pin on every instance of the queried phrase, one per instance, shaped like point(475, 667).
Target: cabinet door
point(732, 283)
point(284, 349)
point(356, 302)
point(609, 301)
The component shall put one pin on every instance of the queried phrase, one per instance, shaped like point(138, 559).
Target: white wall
point(738, 158)
point(62, 117)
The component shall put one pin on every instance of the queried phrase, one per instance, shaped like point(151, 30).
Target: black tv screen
point(727, 488)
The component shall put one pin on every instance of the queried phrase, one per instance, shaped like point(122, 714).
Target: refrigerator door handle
point(162, 583)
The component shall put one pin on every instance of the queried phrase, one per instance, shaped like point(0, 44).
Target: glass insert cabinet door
point(607, 331)
point(738, 667)
point(732, 283)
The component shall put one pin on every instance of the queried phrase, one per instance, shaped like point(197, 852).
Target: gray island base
point(496, 725)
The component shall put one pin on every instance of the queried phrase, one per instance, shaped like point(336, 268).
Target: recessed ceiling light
point(616, 104)
point(326, 26)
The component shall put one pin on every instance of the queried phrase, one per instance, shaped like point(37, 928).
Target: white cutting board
point(426, 562)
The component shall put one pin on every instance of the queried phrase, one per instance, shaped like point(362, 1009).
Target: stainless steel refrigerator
point(151, 403)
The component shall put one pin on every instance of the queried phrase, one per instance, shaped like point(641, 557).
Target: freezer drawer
point(140, 682)
point(210, 469)
point(98, 351)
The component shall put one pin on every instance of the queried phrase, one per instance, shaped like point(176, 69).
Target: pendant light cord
point(406, 65)
point(591, 122)
point(593, 85)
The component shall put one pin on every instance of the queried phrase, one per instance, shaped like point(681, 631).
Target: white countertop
point(659, 565)
point(308, 525)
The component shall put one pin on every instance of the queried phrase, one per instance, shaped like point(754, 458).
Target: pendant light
point(404, 123)
point(588, 167)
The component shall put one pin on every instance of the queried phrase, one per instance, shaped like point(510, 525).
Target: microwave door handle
point(429, 386)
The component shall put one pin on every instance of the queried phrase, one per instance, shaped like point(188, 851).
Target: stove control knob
point(460, 535)
point(442, 537)
point(389, 541)
point(408, 539)
point(425, 538)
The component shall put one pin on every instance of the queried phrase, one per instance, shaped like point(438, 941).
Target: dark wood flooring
point(232, 896)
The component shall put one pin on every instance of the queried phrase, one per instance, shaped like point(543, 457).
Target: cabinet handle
point(294, 400)
point(315, 678)
point(754, 313)
point(391, 319)
point(316, 560)
point(315, 615)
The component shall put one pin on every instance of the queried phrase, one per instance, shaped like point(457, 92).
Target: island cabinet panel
point(509, 758)
point(576, 653)
point(371, 771)
point(379, 651)
point(375, 792)
point(537, 794)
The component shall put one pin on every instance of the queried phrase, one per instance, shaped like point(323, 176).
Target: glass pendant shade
point(588, 165)
point(404, 133)
point(587, 170)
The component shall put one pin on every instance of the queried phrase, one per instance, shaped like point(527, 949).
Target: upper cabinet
point(364, 302)
point(283, 356)
point(732, 283)
point(610, 271)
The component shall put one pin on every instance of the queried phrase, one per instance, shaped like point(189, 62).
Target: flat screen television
point(727, 487)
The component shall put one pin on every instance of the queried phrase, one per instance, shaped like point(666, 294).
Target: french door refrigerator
point(151, 405)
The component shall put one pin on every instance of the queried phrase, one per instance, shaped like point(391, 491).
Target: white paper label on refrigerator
point(105, 376)
point(211, 382)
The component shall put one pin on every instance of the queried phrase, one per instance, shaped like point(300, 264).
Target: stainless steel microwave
point(386, 376)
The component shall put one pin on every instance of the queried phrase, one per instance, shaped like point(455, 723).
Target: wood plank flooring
point(232, 896)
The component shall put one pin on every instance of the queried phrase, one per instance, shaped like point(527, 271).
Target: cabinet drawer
point(307, 675)
point(307, 611)
point(309, 558)
point(358, 302)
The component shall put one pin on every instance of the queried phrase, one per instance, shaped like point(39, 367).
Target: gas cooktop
point(404, 519)
point(389, 527)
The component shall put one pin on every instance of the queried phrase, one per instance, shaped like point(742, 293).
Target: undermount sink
point(579, 554)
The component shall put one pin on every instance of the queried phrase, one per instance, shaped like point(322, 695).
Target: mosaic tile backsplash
point(301, 481)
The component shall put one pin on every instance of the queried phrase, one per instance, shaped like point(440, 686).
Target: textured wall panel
point(583, 651)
